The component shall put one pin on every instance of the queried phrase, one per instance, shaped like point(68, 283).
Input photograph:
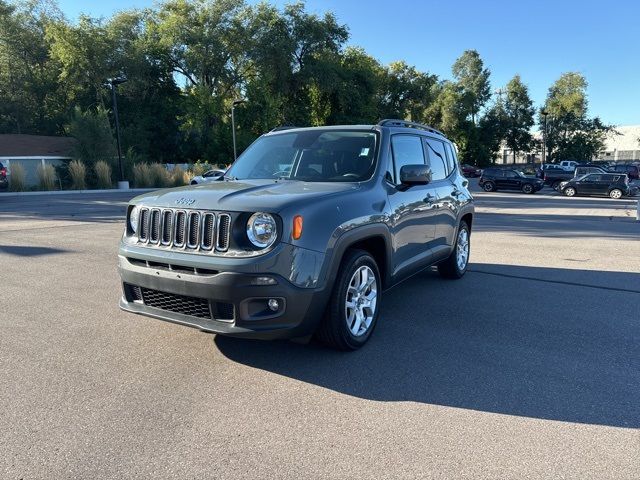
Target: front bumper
point(299, 310)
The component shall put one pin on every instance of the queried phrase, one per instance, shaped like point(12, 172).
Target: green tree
point(571, 133)
point(92, 132)
point(518, 109)
point(473, 79)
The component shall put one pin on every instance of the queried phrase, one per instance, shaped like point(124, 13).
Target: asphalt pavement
point(528, 367)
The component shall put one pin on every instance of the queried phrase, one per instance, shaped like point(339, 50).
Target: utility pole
point(114, 82)
point(238, 101)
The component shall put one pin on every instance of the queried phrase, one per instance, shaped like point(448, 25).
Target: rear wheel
point(354, 305)
point(455, 266)
point(527, 188)
point(489, 187)
point(615, 193)
point(569, 192)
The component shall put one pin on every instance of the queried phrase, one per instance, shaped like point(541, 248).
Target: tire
point(194, 182)
point(556, 185)
point(569, 192)
point(339, 323)
point(489, 187)
point(615, 193)
point(528, 188)
point(452, 268)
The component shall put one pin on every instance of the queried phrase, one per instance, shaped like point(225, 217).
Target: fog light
point(274, 305)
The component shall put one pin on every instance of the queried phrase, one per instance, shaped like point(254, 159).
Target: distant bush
point(160, 176)
point(179, 177)
point(17, 179)
point(46, 176)
point(198, 169)
point(142, 175)
point(103, 174)
point(78, 174)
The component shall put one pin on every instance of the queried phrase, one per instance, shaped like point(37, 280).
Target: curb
point(76, 192)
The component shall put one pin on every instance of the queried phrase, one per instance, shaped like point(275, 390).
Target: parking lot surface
point(528, 367)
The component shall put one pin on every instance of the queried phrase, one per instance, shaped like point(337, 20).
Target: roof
point(18, 145)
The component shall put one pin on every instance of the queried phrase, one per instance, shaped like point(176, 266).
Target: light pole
point(237, 101)
point(544, 136)
point(114, 82)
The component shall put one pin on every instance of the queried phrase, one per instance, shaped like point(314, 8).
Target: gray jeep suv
point(303, 234)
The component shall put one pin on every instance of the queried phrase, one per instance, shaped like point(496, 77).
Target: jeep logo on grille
point(185, 201)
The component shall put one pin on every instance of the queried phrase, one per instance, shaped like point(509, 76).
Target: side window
point(510, 174)
point(593, 178)
point(437, 158)
point(407, 150)
point(451, 159)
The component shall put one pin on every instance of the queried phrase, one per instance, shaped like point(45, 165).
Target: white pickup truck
point(568, 165)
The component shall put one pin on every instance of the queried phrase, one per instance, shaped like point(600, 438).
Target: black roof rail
point(283, 127)
point(407, 124)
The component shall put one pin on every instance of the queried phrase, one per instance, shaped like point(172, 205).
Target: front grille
point(192, 306)
point(172, 267)
point(185, 229)
point(183, 304)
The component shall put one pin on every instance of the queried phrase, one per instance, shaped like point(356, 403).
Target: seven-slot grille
point(184, 229)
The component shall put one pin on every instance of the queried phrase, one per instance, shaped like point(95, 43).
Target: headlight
point(134, 216)
point(262, 230)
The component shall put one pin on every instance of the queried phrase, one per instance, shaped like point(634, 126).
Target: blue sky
point(537, 39)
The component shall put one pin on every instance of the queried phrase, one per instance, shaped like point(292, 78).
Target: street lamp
point(544, 114)
point(237, 101)
point(113, 83)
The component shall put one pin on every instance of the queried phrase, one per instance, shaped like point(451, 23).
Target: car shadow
point(494, 341)
point(28, 251)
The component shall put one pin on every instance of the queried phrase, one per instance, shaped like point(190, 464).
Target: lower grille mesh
point(195, 307)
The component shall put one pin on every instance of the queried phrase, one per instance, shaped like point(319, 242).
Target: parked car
point(494, 179)
point(632, 171)
point(471, 170)
point(306, 231)
point(610, 184)
point(4, 182)
point(553, 177)
point(210, 176)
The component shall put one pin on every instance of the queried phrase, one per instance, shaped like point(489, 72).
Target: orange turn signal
point(297, 227)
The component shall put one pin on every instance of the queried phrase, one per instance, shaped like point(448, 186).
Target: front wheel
point(354, 305)
point(569, 192)
point(455, 266)
point(615, 193)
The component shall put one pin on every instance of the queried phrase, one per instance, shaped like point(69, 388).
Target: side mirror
point(418, 174)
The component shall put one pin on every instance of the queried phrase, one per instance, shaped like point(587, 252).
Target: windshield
point(309, 155)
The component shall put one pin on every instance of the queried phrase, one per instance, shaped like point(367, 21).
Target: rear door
point(414, 209)
point(443, 166)
point(512, 180)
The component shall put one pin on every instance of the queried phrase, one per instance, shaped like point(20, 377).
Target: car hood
point(243, 195)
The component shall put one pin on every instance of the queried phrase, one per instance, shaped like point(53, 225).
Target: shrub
point(142, 175)
point(199, 169)
point(103, 174)
point(179, 177)
point(17, 179)
point(46, 176)
point(78, 174)
point(160, 176)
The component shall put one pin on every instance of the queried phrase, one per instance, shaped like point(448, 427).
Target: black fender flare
point(336, 252)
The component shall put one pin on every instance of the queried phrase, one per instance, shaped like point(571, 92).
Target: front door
point(413, 210)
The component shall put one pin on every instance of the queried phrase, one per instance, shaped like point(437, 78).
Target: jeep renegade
point(302, 235)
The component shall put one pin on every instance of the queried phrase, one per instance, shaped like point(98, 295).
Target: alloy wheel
point(462, 249)
point(361, 301)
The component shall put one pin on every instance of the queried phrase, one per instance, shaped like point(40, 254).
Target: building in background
point(31, 151)
point(623, 147)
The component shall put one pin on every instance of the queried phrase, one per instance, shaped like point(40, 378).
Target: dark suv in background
point(494, 179)
point(609, 184)
point(302, 235)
